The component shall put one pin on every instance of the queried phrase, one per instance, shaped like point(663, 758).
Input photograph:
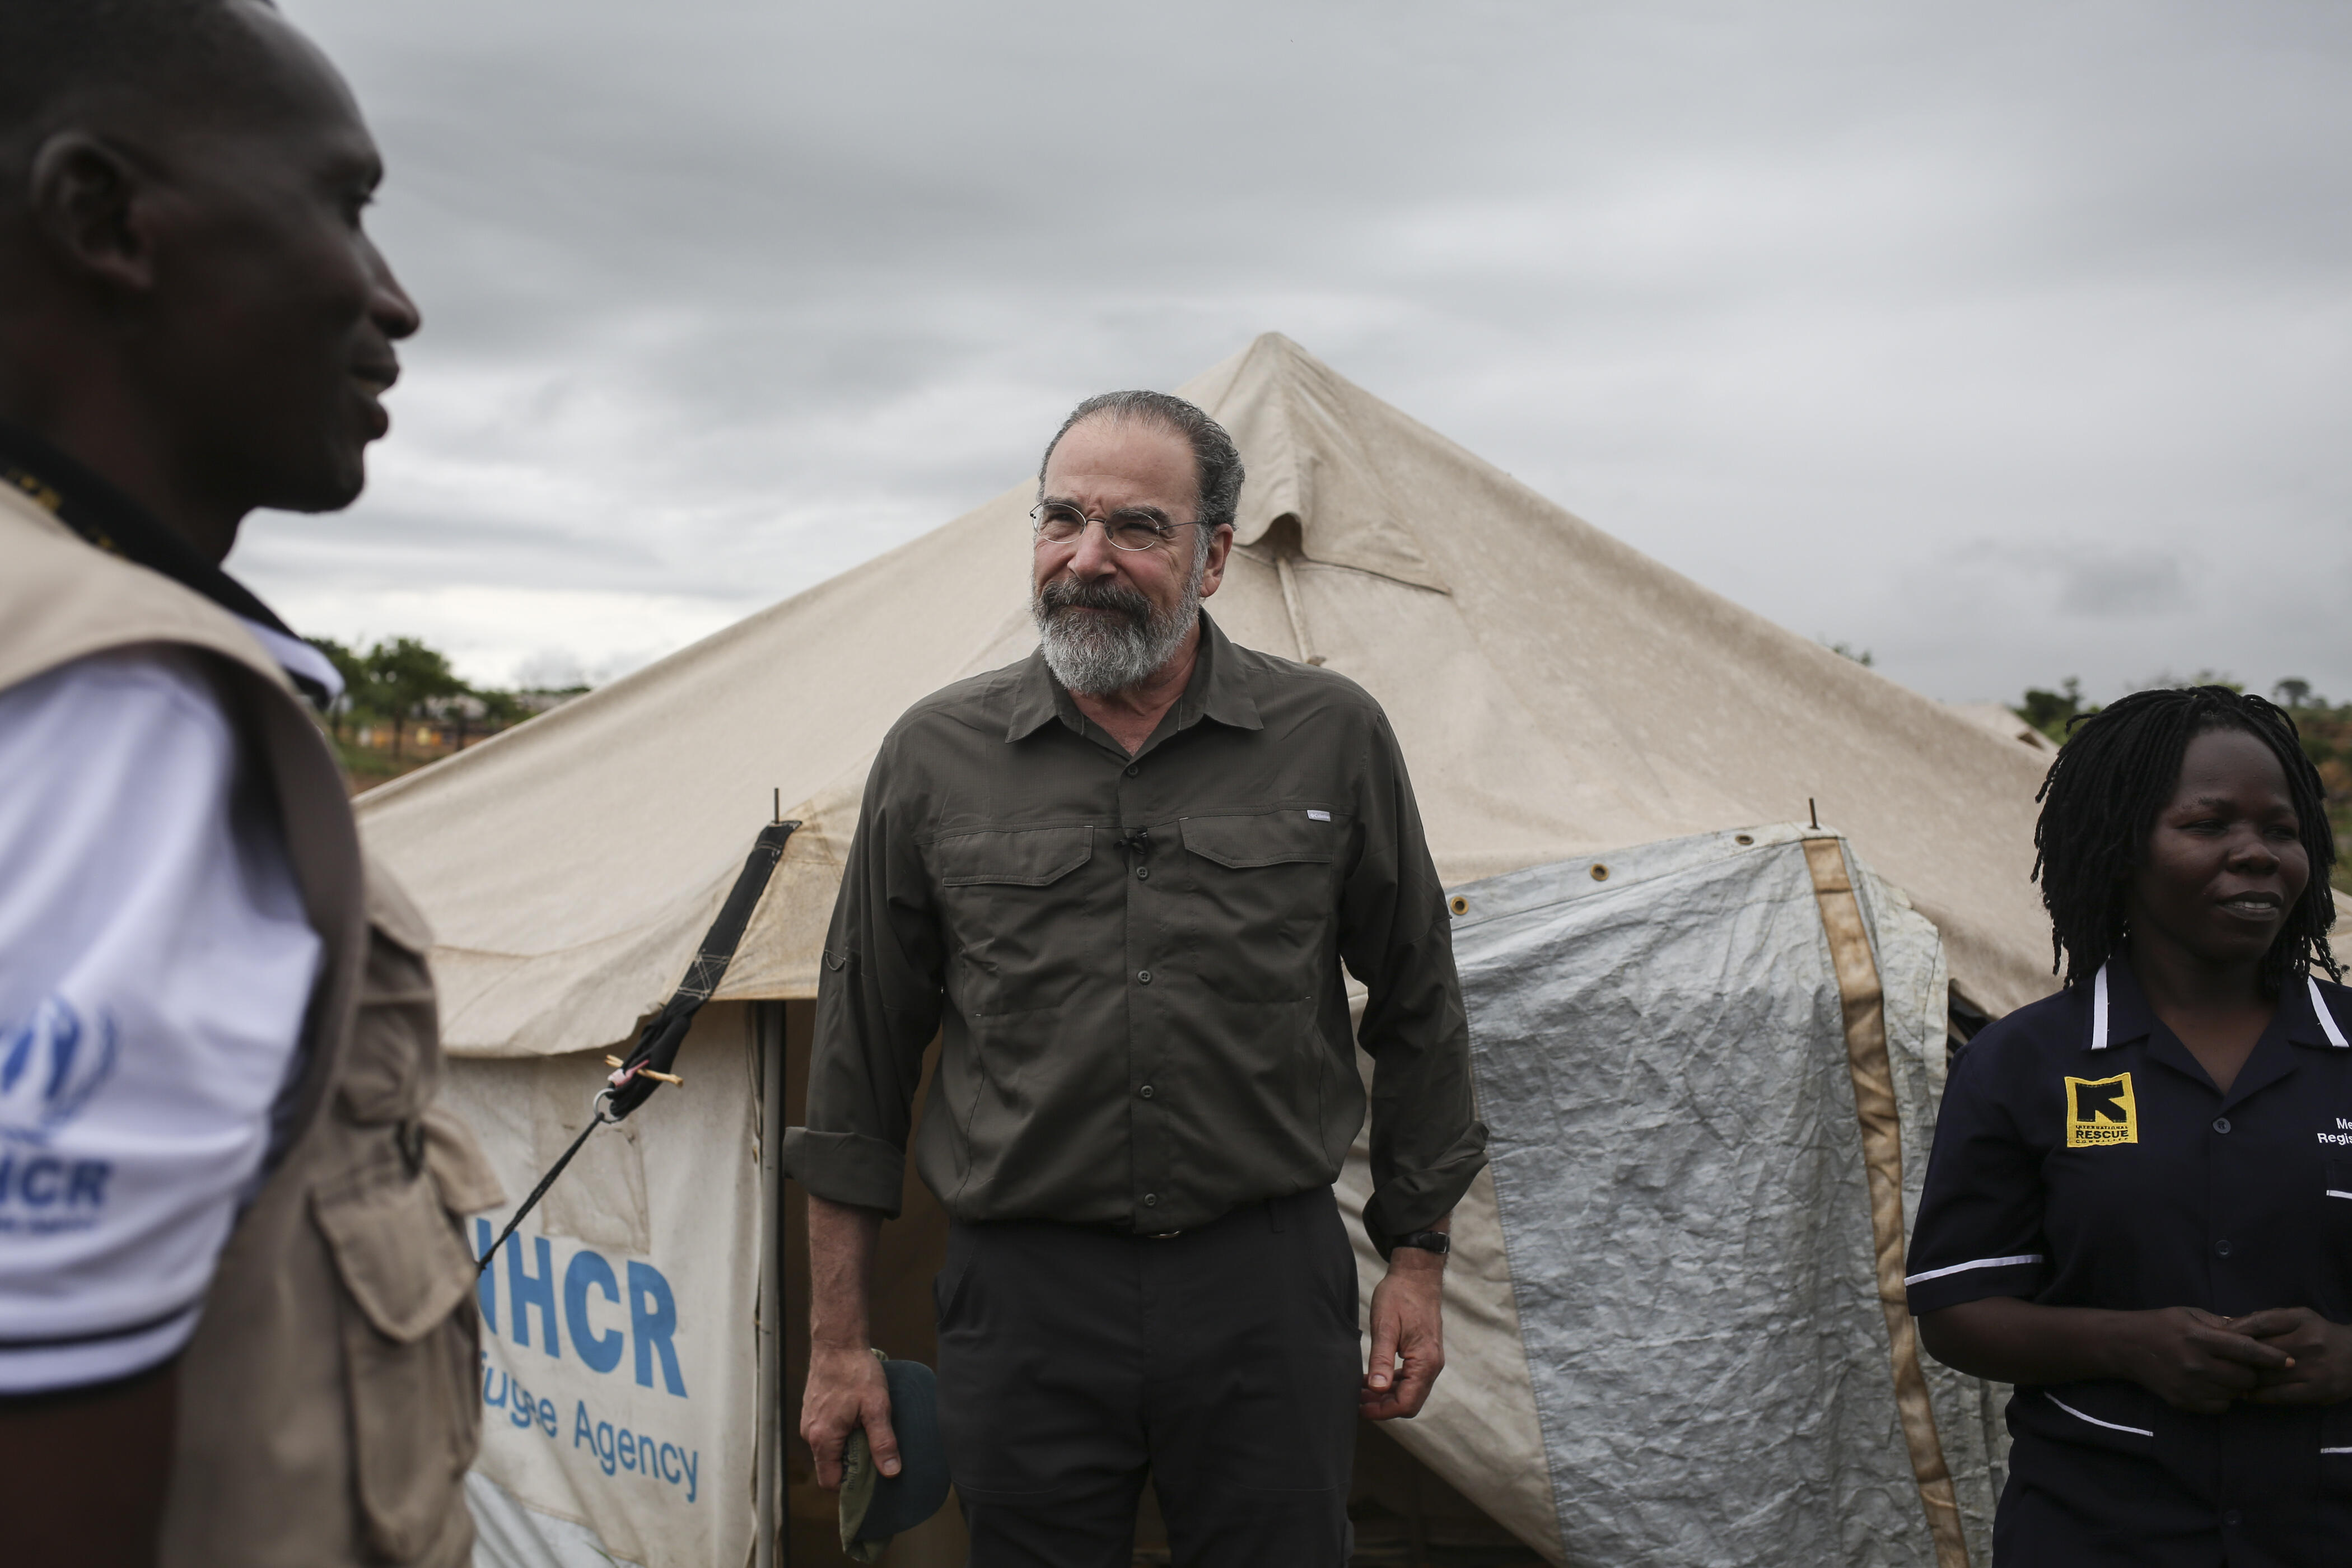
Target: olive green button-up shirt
point(1134, 962)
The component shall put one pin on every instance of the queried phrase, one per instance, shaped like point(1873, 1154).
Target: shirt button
point(1143, 874)
point(1145, 1091)
point(1150, 1199)
point(2220, 1249)
point(1133, 769)
point(2231, 1518)
point(2221, 1124)
point(1143, 975)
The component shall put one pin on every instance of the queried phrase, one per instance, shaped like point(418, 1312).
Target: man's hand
point(1408, 1338)
point(2319, 1357)
point(845, 1390)
point(2194, 1361)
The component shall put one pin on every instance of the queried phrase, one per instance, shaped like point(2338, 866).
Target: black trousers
point(1224, 1363)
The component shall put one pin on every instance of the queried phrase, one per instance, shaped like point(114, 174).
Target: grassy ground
point(368, 766)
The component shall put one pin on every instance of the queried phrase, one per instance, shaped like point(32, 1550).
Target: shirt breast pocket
point(1263, 900)
point(1018, 922)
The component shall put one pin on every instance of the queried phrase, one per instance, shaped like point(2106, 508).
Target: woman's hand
point(2189, 1359)
point(2319, 1352)
point(2194, 1361)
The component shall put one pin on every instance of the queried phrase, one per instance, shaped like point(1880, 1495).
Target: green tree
point(2049, 711)
point(352, 665)
point(403, 676)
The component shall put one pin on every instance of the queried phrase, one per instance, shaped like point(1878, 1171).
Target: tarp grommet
point(1460, 906)
point(1744, 838)
point(1600, 873)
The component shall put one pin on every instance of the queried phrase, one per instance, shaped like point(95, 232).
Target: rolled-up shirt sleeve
point(1980, 1231)
point(1427, 1142)
point(877, 1006)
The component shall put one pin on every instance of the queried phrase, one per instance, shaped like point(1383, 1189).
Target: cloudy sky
point(2007, 341)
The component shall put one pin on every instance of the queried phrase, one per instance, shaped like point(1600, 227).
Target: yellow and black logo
point(2099, 1111)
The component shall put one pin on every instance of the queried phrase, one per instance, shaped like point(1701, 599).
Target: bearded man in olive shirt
point(1119, 878)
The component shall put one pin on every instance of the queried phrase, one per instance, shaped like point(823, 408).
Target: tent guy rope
point(634, 1079)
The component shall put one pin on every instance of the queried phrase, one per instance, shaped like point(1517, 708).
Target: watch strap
point(1435, 1241)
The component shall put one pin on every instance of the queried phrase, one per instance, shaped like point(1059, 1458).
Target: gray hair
point(1216, 462)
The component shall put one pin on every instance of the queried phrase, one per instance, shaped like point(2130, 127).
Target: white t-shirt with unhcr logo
point(155, 966)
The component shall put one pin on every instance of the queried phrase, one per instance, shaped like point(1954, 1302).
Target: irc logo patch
point(49, 1066)
point(2100, 1111)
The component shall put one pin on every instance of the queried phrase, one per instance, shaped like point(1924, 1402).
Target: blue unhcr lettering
point(653, 1320)
point(614, 1448)
point(489, 1372)
point(525, 1291)
point(526, 1411)
point(601, 1352)
point(88, 1183)
point(485, 1281)
point(46, 1171)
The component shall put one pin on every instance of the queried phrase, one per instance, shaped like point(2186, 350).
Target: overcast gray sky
point(2008, 340)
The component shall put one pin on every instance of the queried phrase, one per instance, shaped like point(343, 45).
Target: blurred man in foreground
point(236, 1322)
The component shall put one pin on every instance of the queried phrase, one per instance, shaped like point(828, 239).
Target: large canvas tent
point(1562, 701)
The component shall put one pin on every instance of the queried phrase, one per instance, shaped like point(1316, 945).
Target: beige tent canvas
point(1558, 693)
point(1559, 697)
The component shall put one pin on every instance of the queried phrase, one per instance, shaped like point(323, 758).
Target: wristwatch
point(1435, 1241)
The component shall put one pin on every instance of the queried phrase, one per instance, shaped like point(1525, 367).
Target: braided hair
point(2099, 804)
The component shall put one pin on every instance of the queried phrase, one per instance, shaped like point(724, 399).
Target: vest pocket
point(390, 1071)
point(411, 1339)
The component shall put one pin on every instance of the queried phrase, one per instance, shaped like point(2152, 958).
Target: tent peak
point(1302, 430)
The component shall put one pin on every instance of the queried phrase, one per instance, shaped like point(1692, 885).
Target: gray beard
point(1099, 655)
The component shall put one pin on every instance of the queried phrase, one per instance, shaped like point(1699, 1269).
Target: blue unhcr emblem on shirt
point(50, 1066)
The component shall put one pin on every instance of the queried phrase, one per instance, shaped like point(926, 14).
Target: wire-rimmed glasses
point(1058, 522)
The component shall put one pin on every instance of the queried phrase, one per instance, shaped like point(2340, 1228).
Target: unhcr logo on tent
point(2100, 1112)
point(590, 1289)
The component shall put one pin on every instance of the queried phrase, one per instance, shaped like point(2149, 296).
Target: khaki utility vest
point(330, 1402)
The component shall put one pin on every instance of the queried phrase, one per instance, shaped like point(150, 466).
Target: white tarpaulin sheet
point(619, 1323)
point(1664, 1338)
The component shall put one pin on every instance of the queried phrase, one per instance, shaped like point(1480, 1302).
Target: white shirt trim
point(2335, 1031)
point(39, 1369)
point(2110, 1426)
point(296, 656)
point(2099, 1008)
point(1973, 1263)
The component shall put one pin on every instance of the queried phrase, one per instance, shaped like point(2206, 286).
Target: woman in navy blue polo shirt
point(2139, 1207)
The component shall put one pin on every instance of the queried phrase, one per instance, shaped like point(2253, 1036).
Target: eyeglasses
point(1061, 523)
